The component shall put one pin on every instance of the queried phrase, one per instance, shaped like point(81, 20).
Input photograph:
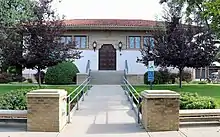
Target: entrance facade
point(107, 57)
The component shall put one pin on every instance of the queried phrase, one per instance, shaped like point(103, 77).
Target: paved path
point(107, 113)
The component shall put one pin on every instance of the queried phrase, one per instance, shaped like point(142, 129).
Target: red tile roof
point(110, 22)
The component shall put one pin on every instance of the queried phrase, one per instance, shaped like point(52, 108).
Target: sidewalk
point(105, 112)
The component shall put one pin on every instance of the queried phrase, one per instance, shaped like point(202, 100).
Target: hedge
point(195, 101)
point(63, 73)
point(15, 100)
point(164, 76)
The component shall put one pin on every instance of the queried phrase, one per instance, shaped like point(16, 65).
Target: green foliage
point(63, 73)
point(42, 76)
point(187, 76)
point(198, 82)
point(29, 80)
point(204, 12)
point(5, 78)
point(202, 82)
point(211, 11)
point(164, 76)
point(157, 78)
point(14, 100)
point(11, 70)
point(194, 101)
point(12, 12)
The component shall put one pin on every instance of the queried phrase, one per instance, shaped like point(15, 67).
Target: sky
point(109, 9)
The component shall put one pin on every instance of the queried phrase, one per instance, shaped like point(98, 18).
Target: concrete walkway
point(107, 113)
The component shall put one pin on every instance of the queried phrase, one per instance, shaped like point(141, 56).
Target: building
point(107, 43)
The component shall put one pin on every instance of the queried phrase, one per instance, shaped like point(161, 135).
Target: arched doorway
point(107, 57)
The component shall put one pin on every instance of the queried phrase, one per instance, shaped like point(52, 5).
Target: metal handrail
point(132, 87)
point(84, 87)
point(126, 66)
point(88, 66)
point(129, 91)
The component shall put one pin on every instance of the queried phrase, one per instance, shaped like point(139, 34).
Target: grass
point(4, 88)
point(203, 90)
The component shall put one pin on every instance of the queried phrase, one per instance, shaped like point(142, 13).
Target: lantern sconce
point(94, 45)
point(120, 46)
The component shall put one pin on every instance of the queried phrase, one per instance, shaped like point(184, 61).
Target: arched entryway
point(107, 57)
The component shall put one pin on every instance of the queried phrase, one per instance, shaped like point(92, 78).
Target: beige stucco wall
point(108, 37)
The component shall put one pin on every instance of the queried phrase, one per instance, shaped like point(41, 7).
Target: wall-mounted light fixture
point(94, 45)
point(120, 46)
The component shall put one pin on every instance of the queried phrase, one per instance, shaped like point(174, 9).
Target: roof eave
point(134, 28)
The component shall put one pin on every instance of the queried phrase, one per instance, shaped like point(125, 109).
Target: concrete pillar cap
point(47, 93)
point(159, 94)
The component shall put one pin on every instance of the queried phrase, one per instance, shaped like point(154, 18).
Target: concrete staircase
point(106, 77)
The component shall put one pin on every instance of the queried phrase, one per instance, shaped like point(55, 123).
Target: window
point(148, 42)
point(135, 42)
point(81, 41)
point(66, 40)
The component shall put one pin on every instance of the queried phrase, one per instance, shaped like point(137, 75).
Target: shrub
point(42, 76)
point(165, 75)
point(194, 101)
point(157, 78)
point(187, 76)
point(18, 78)
point(29, 80)
point(198, 82)
point(14, 100)
point(162, 76)
point(63, 73)
point(5, 78)
point(202, 82)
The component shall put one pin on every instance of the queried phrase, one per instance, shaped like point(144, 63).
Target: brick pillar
point(160, 110)
point(46, 110)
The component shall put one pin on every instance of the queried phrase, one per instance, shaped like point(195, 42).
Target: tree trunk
point(19, 69)
point(180, 77)
point(39, 77)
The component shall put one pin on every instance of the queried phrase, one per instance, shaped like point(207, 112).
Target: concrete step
point(106, 77)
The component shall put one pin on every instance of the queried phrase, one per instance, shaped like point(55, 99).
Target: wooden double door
point(107, 57)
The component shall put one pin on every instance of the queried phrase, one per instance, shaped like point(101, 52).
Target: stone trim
point(160, 94)
point(46, 93)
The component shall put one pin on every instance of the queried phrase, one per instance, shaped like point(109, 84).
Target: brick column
point(46, 110)
point(160, 110)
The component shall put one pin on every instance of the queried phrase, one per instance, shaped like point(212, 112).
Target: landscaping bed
point(13, 97)
point(192, 96)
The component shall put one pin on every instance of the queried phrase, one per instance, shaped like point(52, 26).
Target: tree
point(181, 45)
point(42, 39)
point(12, 13)
point(211, 12)
point(205, 11)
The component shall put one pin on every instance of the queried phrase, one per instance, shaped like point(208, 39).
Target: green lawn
point(204, 90)
point(9, 87)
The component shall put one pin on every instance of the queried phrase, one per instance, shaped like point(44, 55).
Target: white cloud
point(109, 9)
